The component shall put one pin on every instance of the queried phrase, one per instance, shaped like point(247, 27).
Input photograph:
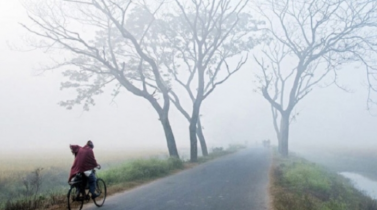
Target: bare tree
point(103, 47)
point(311, 40)
point(204, 36)
point(212, 32)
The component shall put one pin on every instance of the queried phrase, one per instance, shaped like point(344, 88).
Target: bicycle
point(79, 192)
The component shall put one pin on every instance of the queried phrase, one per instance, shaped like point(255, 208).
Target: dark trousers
point(92, 183)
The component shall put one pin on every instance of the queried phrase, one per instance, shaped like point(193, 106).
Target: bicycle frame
point(82, 187)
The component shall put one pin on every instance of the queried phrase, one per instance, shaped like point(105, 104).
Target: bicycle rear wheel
point(75, 199)
point(101, 190)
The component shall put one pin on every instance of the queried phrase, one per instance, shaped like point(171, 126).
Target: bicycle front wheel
point(75, 199)
point(101, 190)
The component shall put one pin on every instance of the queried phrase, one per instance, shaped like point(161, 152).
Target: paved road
point(234, 182)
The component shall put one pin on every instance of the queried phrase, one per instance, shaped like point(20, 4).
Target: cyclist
point(85, 162)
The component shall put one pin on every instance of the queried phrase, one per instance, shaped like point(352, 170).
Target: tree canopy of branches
point(203, 36)
point(311, 40)
point(103, 47)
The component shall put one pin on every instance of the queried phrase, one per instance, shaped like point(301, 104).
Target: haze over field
point(31, 119)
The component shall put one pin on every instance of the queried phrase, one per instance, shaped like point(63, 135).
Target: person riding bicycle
point(85, 162)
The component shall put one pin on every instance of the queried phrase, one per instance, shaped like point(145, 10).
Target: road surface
point(234, 182)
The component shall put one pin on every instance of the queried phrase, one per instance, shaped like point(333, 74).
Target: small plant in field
point(32, 183)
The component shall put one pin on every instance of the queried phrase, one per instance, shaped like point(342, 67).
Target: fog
point(31, 119)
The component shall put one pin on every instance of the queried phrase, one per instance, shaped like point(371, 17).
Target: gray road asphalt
point(235, 182)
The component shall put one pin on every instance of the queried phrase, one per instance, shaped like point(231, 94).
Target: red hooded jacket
point(84, 160)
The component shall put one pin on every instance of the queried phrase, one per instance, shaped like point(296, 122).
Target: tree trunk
point(199, 129)
point(193, 142)
point(193, 131)
point(276, 127)
point(284, 134)
point(172, 147)
point(202, 140)
point(163, 113)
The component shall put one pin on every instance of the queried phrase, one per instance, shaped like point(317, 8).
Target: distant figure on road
point(85, 162)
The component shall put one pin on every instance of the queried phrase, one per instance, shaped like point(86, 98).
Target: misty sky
point(30, 117)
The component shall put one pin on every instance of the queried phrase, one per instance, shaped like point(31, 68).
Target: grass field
point(298, 184)
point(362, 160)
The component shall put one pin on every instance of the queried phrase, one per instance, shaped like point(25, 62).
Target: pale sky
point(30, 117)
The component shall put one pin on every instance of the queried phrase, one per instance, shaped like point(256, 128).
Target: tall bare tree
point(103, 47)
point(310, 40)
point(209, 41)
point(221, 29)
point(207, 32)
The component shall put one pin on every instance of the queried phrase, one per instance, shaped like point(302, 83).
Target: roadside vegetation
point(298, 184)
point(360, 160)
point(42, 189)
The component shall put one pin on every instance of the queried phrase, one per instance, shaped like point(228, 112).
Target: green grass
point(302, 185)
point(359, 160)
point(140, 170)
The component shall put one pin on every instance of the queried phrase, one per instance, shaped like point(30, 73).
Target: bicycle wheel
point(101, 190)
point(75, 199)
